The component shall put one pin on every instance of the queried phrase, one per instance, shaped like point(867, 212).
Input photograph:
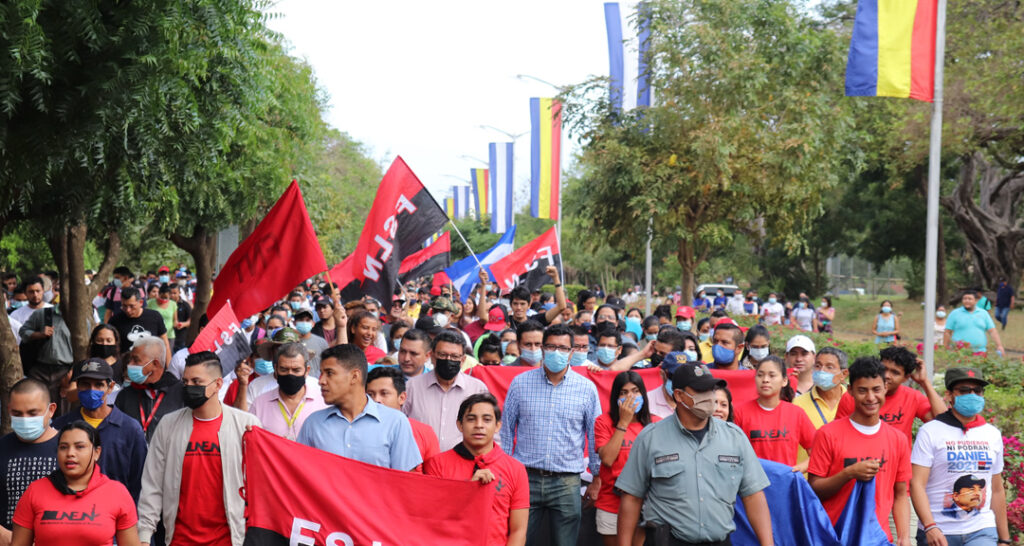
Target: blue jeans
point(984, 537)
point(1002, 313)
point(558, 498)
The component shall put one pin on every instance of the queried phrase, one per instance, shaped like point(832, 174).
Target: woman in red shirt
point(775, 427)
point(614, 433)
point(76, 503)
point(362, 332)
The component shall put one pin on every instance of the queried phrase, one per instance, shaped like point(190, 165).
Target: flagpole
point(647, 269)
point(471, 253)
point(934, 152)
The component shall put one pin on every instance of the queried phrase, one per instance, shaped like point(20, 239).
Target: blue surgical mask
point(722, 355)
point(691, 355)
point(969, 405)
point(117, 283)
point(704, 337)
point(606, 355)
point(578, 358)
point(587, 325)
point(28, 428)
point(246, 323)
point(940, 314)
point(824, 380)
point(887, 309)
point(164, 279)
point(773, 300)
point(668, 387)
point(508, 359)
point(135, 374)
point(18, 304)
point(638, 403)
point(803, 305)
point(556, 361)
point(504, 346)
point(304, 327)
point(531, 356)
point(759, 353)
point(684, 325)
point(91, 399)
point(651, 337)
point(296, 305)
point(263, 367)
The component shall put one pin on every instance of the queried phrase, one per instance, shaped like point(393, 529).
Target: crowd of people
point(141, 443)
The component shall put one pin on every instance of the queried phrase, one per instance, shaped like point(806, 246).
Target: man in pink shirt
point(284, 409)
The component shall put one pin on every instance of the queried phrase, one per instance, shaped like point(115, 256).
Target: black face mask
point(447, 369)
point(291, 384)
point(102, 351)
point(656, 360)
point(194, 395)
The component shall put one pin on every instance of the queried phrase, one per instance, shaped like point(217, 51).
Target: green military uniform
point(690, 484)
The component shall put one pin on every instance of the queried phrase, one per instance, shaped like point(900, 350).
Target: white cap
point(803, 342)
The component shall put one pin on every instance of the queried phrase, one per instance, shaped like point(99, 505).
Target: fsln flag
point(528, 263)
point(282, 252)
point(321, 508)
point(403, 215)
point(481, 189)
point(502, 186)
point(892, 50)
point(545, 157)
point(431, 259)
point(461, 202)
point(465, 273)
point(628, 38)
point(223, 335)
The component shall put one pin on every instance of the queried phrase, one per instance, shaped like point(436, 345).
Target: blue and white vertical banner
point(462, 197)
point(501, 158)
point(628, 34)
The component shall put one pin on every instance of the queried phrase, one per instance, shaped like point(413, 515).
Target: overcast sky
point(418, 79)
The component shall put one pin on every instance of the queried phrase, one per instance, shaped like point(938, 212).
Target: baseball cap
point(495, 319)
point(803, 342)
point(428, 325)
point(434, 291)
point(93, 368)
point(672, 361)
point(303, 313)
point(696, 376)
point(323, 302)
point(684, 311)
point(955, 375)
point(968, 481)
point(164, 269)
point(616, 302)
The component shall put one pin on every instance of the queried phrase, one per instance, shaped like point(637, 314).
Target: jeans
point(558, 498)
point(984, 537)
point(1002, 313)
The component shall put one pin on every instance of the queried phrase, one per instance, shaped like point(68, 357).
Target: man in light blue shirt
point(970, 324)
point(354, 426)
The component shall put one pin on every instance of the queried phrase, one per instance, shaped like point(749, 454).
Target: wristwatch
point(1004, 541)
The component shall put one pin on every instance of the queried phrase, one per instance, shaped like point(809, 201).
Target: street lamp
point(523, 77)
point(471, 158)
point(511, 136)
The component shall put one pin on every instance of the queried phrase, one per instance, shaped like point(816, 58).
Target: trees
point(747, 134)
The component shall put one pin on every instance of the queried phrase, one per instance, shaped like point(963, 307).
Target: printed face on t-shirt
point(969, 498)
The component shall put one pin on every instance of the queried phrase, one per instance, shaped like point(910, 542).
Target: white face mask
point(441, 319)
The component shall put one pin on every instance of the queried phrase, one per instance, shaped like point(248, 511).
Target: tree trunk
point(202, 246)
point(687, 262)
point(10, 365)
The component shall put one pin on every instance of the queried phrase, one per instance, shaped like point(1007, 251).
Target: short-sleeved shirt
point(775, 434)
point(773, 313)
point(604, 429)
point(149, 323)
point(954, 452)
point(898, 410)
point(276, 418)
point(379, 435)
point(970, 327)
point(202, 518)
point(816, 408)
point(315, 345)
point(428, 403)
point(168, 313)
point(426, 439)
point(92, 517)
point(839, 445)
point(21, 464)
point(511, 484)
point(692, 485)
point(657, 399)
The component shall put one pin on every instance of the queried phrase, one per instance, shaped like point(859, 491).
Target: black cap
point(93, 368)
point(303, 313)
point(615, 302)
point(696, 376)
point(323, 302)
point(967, 481)
point(428, 325)
point(956, 375)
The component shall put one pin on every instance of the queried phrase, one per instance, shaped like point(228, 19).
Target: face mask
point(773, 300)
point(940, 314)
point(684, 325)
point(720, 294)
point(441, 320)
point(887, 309)
point(656, 359)
point(117, 283)
point(48, 296)
point(28, 428)
point(824, 380)
point(651, 337)
point(704, 337)
point(606, 355)
point(588, 325)
point(668, 387)
point(164, 279)
point(691, 355)
point(246, 323)
point(291, 384)
point(803, 305)
point(759, 353)
point(556, 361)
point(969, 405)
point(531, 356)
point(102, 351)
point(637, 403)
point(304, 327)
point(703, 404)
point(578, 359)
point(504, 346)
point(508, 359)
point(823, 304)
point(722, 355)
point(263, 367)
point(295, 305)
point(447, 369)
point(18, 304)
point(194, 395)
point(136, 376)
point(700, 296)
point(91, 399)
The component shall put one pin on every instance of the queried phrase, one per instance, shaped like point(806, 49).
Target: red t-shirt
point(604, 429)
point(475, 329)
point(512, 486)
point(201, 514)
point(373, 354)
point(838, 445)
point(898, 410)
point(92, 517)
point(232, 394)
point(426, 439)
point(775, 435)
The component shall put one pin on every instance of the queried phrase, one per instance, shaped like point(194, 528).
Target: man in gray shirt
point(314, 343)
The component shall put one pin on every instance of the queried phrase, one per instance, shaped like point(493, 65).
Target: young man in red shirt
point(862, 447)
point(477, 458)
point(386, 385)
point(902, 403)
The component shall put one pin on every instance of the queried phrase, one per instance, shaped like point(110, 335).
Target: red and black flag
point(431, 259)
point(526, 264)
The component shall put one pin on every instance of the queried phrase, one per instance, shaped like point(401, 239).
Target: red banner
point(327, 499)
point(225, 337)
point(282, 252)
point(431, 259)
point(527, 263)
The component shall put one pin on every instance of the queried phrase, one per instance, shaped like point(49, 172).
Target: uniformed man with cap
point(690, 470)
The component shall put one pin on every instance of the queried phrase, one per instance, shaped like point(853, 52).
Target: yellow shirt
point(806, 402)
point(94, 422)
point(705, 351)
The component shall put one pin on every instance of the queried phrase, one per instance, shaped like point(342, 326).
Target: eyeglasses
point(442, 356)
point(560, 348)
point(581, 347)
point(964, 389)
